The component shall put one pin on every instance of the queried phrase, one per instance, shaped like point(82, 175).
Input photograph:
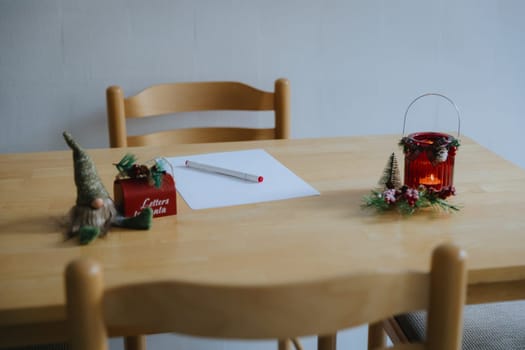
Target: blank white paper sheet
point(202, 190)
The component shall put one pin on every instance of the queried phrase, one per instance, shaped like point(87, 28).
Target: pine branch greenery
point(128, 169)
point(393, 196)
point(157, 171)
point(408, 200)
point(437, 152)
point(125, 164)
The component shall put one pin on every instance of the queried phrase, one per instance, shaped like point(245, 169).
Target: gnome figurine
point(94, 211)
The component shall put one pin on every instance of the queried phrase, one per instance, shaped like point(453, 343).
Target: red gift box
point(133, 195)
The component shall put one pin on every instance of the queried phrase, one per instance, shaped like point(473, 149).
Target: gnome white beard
point(87, 216)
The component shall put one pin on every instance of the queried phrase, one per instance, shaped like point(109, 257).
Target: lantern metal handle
point(434, 94)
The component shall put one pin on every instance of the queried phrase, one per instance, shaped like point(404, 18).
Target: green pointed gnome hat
point(89, 186)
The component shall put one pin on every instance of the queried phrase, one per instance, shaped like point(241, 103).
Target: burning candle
point(430, 180)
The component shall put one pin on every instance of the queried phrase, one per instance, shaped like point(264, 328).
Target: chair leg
point(327, 342)
point(284, 344)
point(376, 335)
point(136, 342)
point(297, 344)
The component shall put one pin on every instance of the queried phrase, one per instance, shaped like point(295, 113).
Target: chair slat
point(175, 98)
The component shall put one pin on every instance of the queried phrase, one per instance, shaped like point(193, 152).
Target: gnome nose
point(97, 203)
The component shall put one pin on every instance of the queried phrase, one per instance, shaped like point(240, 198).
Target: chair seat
point(491, 326)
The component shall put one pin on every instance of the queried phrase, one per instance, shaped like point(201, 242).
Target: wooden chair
point(197, 96)
point(190, 97)
point(294, 309)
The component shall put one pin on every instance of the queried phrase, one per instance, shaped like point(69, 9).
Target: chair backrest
point(197, 96)
point(266, 312)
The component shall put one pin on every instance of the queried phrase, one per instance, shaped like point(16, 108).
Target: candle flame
point(430, 180)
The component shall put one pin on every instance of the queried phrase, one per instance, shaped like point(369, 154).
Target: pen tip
point(260, 179)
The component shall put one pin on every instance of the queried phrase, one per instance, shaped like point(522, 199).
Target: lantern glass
point(429, 161)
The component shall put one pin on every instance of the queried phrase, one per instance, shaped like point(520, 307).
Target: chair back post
point(84, 294)
point(116, 117)
point(447, 298)
point(282, 109)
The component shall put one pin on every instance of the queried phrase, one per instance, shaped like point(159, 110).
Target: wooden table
point(296, 239)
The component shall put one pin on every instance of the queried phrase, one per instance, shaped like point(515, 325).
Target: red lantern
point(430, 156)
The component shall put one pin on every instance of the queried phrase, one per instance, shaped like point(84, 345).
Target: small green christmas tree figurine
point(391, 178)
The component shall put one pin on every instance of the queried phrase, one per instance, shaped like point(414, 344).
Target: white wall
point(353, 65)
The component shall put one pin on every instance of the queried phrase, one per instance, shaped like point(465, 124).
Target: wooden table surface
point(265, 243)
